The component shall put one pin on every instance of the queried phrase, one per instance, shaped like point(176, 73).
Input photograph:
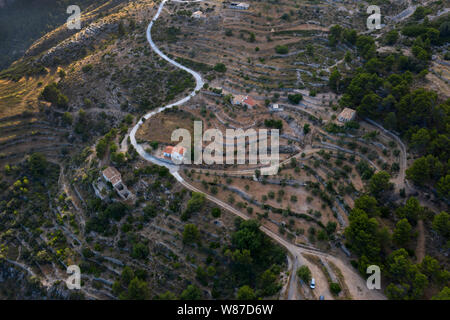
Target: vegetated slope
point(101, 74)
point(167, 244)
point(22, 22)
point(127, 250)
point(384, 227)
point(384, 85)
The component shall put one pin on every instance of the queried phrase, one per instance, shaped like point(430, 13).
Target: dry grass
point(160, 127)
point(20, 96)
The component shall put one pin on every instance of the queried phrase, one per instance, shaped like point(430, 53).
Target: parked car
point(321, 298)
point(312, 285)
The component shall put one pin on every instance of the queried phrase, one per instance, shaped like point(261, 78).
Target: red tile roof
point(249, 101)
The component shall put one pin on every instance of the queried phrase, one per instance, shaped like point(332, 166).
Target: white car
point(312, 285)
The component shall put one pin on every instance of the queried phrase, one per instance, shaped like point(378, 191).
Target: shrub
point(215, 212)
point(335, 288)
point(295, 98)
point(281, 49)
point(220, 67)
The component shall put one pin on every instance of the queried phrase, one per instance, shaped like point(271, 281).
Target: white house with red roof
point(176, 154)
point(244, 101)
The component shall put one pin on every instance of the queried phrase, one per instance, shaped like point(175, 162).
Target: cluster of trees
point(281, 49)
point(103, 214)
point(382, 90)
point(132, 285)
point(254, 259)
point(251, 262)
point(273, 123)
point(339, 34)
point(107, 142)
point(26, 202)
point(295, 98)
point(220, 67)
point(393, 250)
point(52, 94)
point(194, 204)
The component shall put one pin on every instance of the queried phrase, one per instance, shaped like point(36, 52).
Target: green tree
point(67, 118)
point(194, 204)
point(443, 295)
point(281, 49)
point(391, 37)
point(443, 187)
point(190, 234)
point(215, 212)
point(366, 46)
point(369, 105)
point(192, 292)
point(420, 140)
point(424, 170)
point(168, 295)
point(138, 290)
point(101, 148)
point(304, 274)
point(246, 293)
point(335, 80)
point(220, 67)
point(335, 288)
point(441, 223)
point(295, 98)
point(335, 35)
point(126, 276)
point(140, 251)
point(407, 280)
point(368, 204)
point(430, 267)
point(379, 184)
point(362, 237)
point(37, 163)
point(268, 282)
point(402, 233)
point(411, 210)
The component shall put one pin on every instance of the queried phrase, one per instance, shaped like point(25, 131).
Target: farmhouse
point(113, 176)
point(244, 101)
point(275, 107)
point(175, 154)
point(198, 15)
point(239, 5)
point(347, 115)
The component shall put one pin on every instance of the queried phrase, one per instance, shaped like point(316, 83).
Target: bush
point(246, 293)
point(190, 234)
point(140, 251)
point(87, 68)
point(216, 212)
point(295, 98)
point(335, 288)
point(220, 67)
point(304, 274)
point(281, 49)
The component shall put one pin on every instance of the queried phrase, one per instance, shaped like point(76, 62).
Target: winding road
point(356, 284)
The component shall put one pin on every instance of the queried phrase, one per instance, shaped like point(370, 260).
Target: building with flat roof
point(198, 15)
point(239, 5)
